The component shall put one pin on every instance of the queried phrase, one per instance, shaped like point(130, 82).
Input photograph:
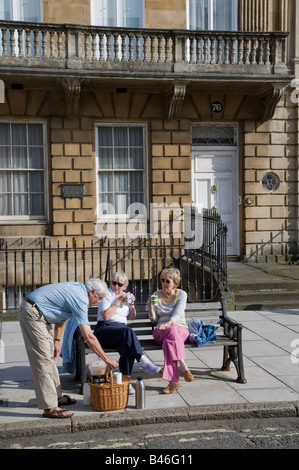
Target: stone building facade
point(215, 112)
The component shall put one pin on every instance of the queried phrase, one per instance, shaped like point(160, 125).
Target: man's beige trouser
point(39, 343)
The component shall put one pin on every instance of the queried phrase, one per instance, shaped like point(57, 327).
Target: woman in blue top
point(54, 304)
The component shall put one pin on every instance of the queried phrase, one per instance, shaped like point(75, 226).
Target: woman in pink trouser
point(167, 312)
point(172, 340)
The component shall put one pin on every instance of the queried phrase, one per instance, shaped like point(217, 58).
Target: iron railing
point(203, 270)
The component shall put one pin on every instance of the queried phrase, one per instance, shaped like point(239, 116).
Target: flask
point(140, 393)
point(86, 394)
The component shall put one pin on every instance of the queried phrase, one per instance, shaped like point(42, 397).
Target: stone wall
point(270, 217)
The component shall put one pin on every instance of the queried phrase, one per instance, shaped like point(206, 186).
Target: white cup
point(117, 378)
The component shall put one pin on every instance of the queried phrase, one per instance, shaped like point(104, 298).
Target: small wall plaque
point(72, 190)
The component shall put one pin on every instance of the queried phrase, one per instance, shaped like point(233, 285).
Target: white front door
point(215, 186)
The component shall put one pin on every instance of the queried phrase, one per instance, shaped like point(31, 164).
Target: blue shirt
point(61, 301)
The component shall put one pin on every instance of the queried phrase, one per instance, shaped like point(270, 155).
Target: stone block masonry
point(270, 215)
point(73, 162)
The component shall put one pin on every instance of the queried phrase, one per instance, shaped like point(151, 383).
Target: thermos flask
point(140, 393)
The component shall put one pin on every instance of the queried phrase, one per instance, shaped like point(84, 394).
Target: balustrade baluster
point(131, 47)
point(52, 46)
point(59, 45)
point(153, 48)
point(206, 50)
point(192, 50)
point(219, 50)
point(253, 51)
point(267, 51)
point(4, 42)
point(138, 47)
point(168, 49)
point(102, 47)
point(93, 46)
point(116, 47)
point(45, 36)
point(108, 47)
point(20, 42)
point(12, 42)
point(213, 58)
point(36, 42)
point(226, 50)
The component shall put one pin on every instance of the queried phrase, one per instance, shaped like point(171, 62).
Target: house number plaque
point(217, 107)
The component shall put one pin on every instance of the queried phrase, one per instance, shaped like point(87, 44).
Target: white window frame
point(32, 219)
point(123, 217)
point(211, 26)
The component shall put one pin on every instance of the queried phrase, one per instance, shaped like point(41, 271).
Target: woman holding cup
point(113, 312)
point(167, 312)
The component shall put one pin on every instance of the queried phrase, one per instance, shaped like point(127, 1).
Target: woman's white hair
point(98, 286)
point(121, 277)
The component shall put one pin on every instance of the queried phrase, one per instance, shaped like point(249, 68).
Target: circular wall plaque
point(270, 182)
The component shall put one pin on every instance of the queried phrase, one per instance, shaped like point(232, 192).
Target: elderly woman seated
point(171, 330)
point(112, 330)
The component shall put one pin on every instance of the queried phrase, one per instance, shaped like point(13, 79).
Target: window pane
point(5, 157)
point(18, 134)
point(121, 181)
point(19, 157)
point(105, 158)
point(32, 11)
point(136, 181)
point(120, 137)
point(35, 134)
point(36, 204)
point(136, 158)
point(5, 182)
point(20, 202)
point(36, 158)
point(5, 204)
point(124, 13)
point(36, 182)
point(105, 182)
point(105, 136)
point(20, 181)
point(136, 136)
point(5, 10)
point(5, 134)
point(218, 15)
point(121, 158)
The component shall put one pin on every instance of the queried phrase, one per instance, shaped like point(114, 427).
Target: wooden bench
point(229, 335)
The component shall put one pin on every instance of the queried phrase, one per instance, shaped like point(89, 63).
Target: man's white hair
point(98, 286)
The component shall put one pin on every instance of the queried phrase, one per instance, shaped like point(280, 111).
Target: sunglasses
point(166, 280)
point(119, 284)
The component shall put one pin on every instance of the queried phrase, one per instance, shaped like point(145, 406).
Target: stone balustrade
point(93, 49)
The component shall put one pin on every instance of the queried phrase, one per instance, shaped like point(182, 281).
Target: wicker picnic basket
point(109, 396)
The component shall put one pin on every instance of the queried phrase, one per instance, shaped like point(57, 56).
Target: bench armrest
point(232, 329)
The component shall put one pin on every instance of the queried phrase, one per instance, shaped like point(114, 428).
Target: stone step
point(282, 304)
point(266, 295)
